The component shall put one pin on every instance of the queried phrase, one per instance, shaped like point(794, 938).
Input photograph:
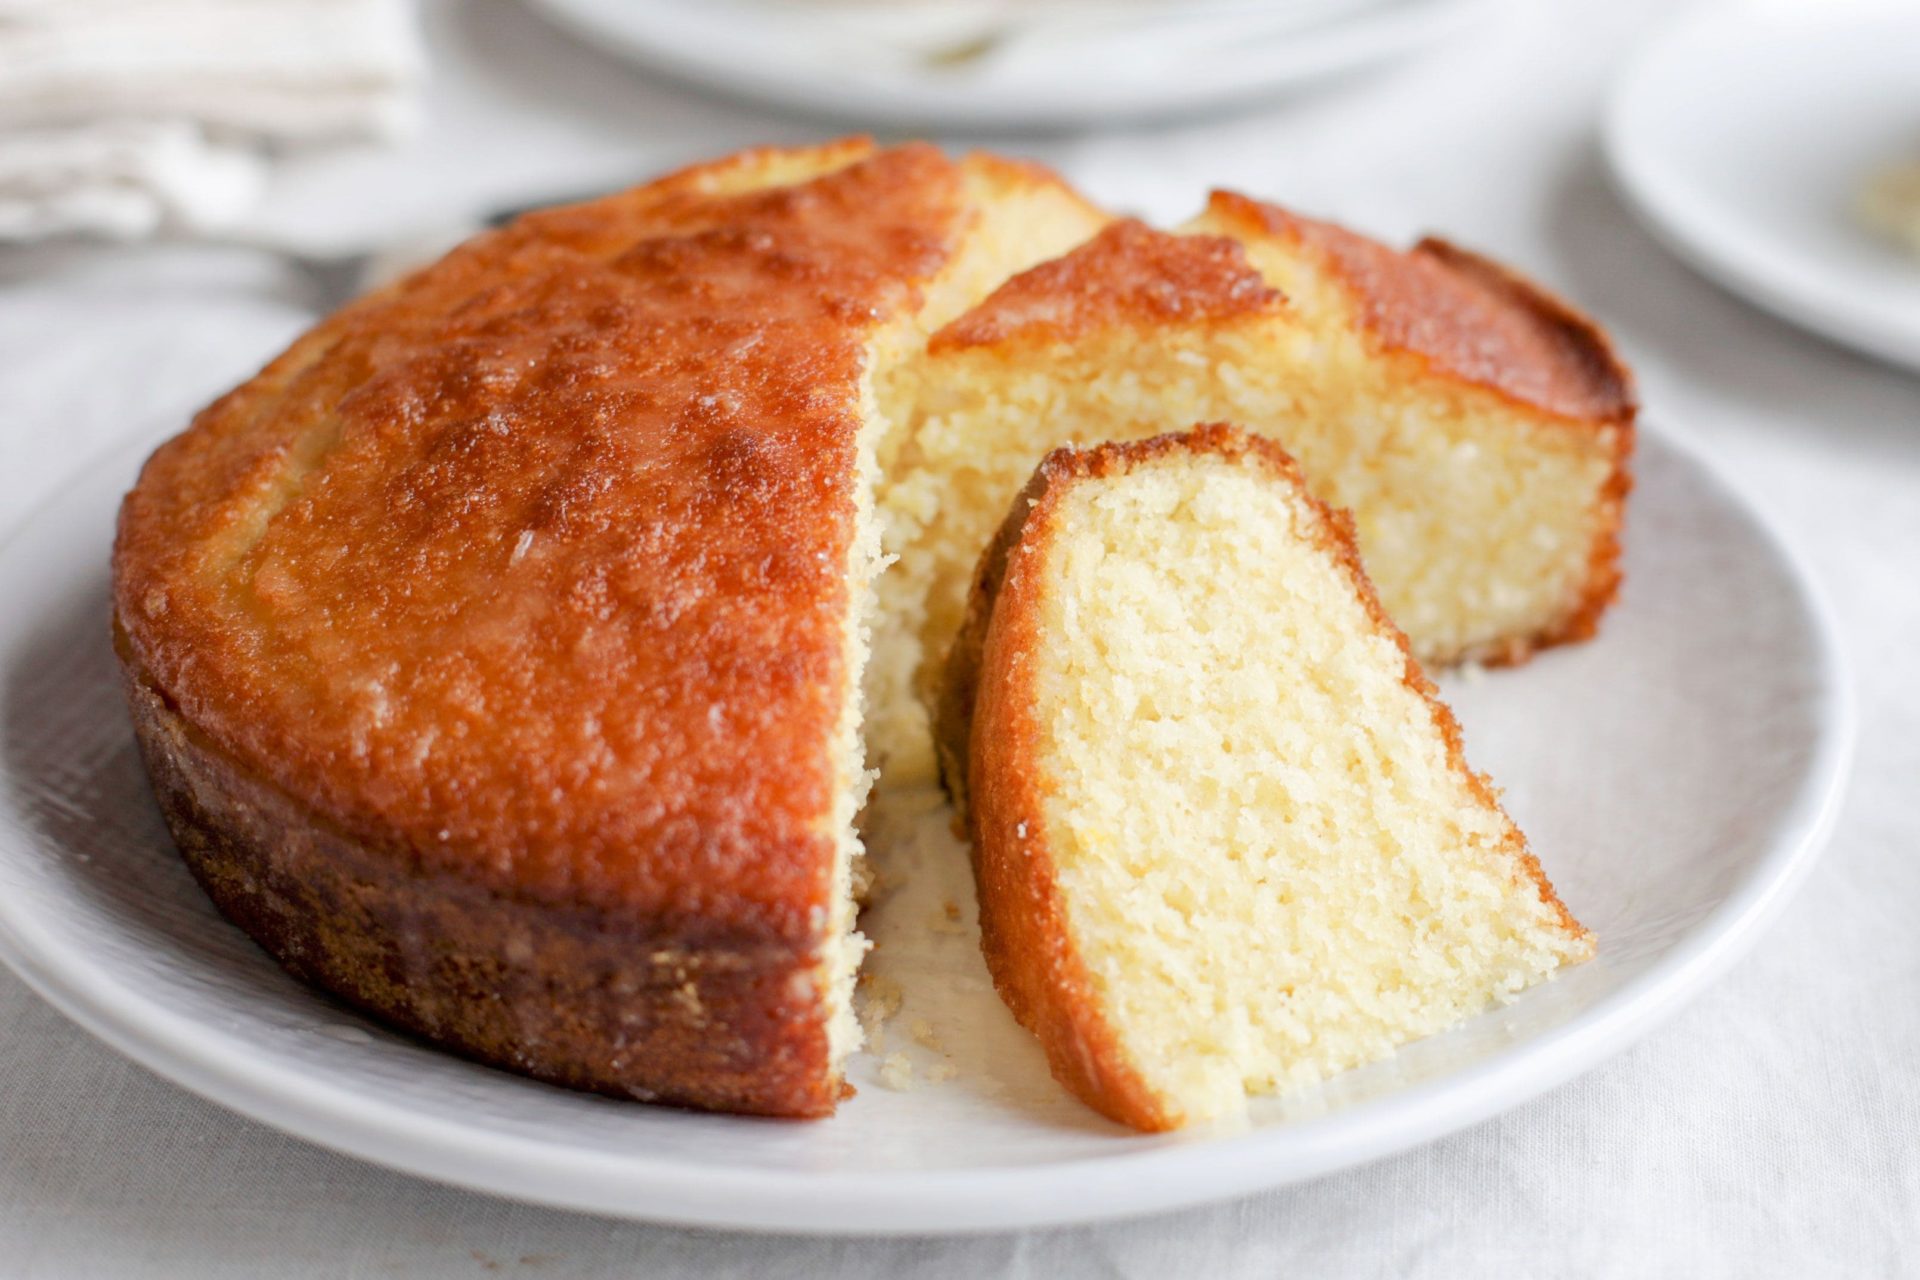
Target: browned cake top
point(1129, 272)
point(1467, 316)
point(537, 563)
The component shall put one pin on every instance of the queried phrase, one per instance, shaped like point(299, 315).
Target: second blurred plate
point(1743, 134)
point(998, 65)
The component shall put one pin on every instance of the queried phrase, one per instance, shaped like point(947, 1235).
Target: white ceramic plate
point(1742, 136)
point(1031, 67)
point(1677, 777)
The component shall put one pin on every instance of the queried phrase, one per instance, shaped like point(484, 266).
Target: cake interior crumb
point(1269, 863)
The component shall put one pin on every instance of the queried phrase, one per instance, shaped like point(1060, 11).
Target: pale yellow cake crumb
point(1265, 860)
point(896, 1072)
point(947, 922)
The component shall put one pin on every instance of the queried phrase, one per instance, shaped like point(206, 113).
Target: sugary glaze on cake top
point(537, 564)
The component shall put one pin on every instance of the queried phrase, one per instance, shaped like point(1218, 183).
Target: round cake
point(513, 655)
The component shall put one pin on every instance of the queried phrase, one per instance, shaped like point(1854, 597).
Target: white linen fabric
point(1771, 1129)
point(122, 179)
point(122, 118)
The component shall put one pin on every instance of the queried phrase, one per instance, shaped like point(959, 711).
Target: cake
point(1225, 840)
point(494, 653)
point(1477, 427)
point(513, 655)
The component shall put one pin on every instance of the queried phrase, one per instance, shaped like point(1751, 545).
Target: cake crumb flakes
point(896, 1072)
point(879, 1001)
point(949, 920)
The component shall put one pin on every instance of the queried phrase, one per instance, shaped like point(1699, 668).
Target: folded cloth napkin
point(123, 118)
point(122, 179)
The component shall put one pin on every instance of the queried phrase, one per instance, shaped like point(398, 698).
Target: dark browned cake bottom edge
point(571, 997)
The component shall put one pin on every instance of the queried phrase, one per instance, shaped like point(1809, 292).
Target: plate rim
point(1392, 36)
point(1168, 1174)
point(1700, 237)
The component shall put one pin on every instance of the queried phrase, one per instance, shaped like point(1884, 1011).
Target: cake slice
point(1224, 837)
point(1477, 427)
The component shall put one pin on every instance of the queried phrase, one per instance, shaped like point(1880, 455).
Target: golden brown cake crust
point(1472, 318)
point(990, 754)
point(1130, 272)
point(1468, 317)
point(529, 577)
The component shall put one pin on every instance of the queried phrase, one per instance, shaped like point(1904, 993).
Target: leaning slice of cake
point(1225, 839)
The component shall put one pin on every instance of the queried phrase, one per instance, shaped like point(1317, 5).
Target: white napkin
point(122, 118)
point(122, 179)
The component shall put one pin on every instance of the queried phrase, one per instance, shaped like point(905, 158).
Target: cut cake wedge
point(1224, 836)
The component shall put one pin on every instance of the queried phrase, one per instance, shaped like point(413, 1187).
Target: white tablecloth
point(1773, 1129)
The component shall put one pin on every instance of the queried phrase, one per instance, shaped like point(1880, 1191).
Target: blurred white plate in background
point(1743, 135)
point(999, 65)
point(1677, 776)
